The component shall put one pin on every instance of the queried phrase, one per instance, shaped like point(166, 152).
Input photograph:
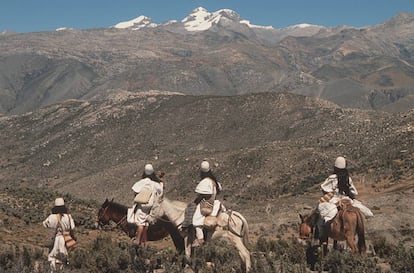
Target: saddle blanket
point(365, 210)
point(328, 210)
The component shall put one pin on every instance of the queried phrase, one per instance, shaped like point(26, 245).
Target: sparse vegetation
point(106, 255)
point(114, 254)
point(269, 172)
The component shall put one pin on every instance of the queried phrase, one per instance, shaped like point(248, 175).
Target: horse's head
point(306, 227)
point(103, 217)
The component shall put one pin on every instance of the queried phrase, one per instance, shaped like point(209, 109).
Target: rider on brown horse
point(336, 187)
point(148, 191)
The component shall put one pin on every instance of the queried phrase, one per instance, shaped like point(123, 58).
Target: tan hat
point(59, 202)
point(340, 162)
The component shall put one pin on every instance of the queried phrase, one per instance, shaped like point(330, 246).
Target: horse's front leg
point(237, 241)
point(187, 245)
point(335, 244)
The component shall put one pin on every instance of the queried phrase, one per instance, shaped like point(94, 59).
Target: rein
point(230, 213)
point(121, 221)
point(314, 224)
point(313, 239)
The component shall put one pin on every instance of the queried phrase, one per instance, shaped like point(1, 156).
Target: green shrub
point(402, 259)
point(345, 262)
point(382, 247)
point(268, 256)
point(79, 258)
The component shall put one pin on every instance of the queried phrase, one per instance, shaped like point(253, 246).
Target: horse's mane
point(117, 206)
point(176, 203)
point(312, 218)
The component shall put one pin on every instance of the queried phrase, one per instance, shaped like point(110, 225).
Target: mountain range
point(211, 53)
point(266, 144)
point(82, 111)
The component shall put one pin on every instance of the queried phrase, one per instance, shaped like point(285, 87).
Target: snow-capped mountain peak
point(200, 19)
point(137, 23)
point(304, 25)
point(303, 29)
point(246, 22)
point(63, 29)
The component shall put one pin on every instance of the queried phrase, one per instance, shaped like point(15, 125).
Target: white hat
point(340, 162)
point(205, 166)
point(149, 169)
point(59, 202)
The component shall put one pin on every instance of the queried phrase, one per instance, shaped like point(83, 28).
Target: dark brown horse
point(112, 211)
point(348, 222)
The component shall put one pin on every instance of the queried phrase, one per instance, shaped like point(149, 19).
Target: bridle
point(103, 212)
point(312, 228)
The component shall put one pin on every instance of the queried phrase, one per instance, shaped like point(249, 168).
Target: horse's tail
point(244, 232)
point(362, 248)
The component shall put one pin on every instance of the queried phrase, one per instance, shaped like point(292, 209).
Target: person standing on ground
point(59, 220)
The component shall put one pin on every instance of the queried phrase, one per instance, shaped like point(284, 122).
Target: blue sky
point(46, 15)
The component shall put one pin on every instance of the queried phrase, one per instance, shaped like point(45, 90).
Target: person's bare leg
point(199, 237)
point(144, 235)
point(138, 236)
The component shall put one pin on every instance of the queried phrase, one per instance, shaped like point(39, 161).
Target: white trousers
point(58, 247)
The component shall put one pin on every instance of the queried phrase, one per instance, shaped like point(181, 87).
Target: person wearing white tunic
point(60, 220)
point(148, 191)
point(207, 189)
point(337, 186)
point(340, 186)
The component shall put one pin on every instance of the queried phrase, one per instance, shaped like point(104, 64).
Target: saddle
point(344, 204)
point(210, 221)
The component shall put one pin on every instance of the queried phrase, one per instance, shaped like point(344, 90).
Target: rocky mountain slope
point(267, 144)
point(366, 68)
point(81, 113)
point(269, 150)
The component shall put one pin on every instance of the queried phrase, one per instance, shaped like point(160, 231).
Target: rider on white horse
point(206, 190)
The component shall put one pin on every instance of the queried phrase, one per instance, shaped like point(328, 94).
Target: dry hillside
point(268, 149)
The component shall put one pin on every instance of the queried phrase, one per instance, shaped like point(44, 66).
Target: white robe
point(59, 243)
point(328, 210)
point(331, 185)
point(141, 215)
point(205, 186)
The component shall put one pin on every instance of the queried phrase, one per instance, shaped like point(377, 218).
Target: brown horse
point(348, 222)
point(112, 211)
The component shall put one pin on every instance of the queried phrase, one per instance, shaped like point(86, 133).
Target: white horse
point(229, 225)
